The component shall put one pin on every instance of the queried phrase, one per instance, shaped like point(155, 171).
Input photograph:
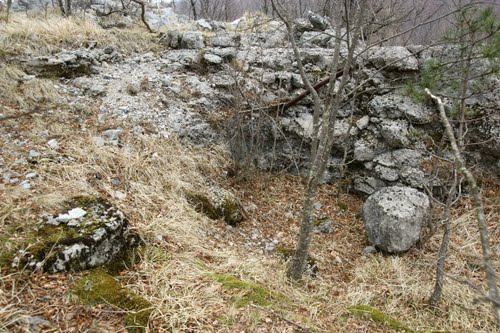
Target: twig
point(280, 316)
point(484, 298)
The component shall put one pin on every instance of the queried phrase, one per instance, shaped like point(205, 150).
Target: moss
point(342, 205)
point(99, 287)
point(230, 210)
point(226, 320)
point(252, 293)
point(379, 317)
point(202, 204)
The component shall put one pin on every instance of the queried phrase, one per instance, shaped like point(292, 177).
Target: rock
point(403, 165)
point(227, 39)
point(324, 226)
point(217, 204)
point(113, 134)
point(88, 235)
point(53, 144)
point(203, 25)
point(99, 287)
point(67, 64)
point(394, 132)
point(34, 154)
point(369, 250)
point(75, 213)
point(367, 185)
point(315, 39)
point(392, 58)
point(394, 218)
point(395, 106)
point(363, 122)
point(31, 175)
point(317, 21)
point(26, 184)
point(120, 195)
point(212, 59)
point(271, 246)
point(90, 86)
point(35, 322)
point(192, 40)
point(99, 141)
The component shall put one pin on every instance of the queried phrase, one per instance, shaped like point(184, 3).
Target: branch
point(271, 312)
point(143, 14)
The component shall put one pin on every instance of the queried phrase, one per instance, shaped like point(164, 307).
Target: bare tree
point(323, 124)
point(479, 207)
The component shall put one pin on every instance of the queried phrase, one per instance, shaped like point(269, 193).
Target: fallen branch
point(280, 316)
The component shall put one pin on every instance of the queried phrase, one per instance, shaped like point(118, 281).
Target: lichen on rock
point(88, 233)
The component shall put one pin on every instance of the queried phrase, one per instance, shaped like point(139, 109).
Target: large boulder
point(394, 218)
point(90, 232)
point(392, 58)
point(396, 106)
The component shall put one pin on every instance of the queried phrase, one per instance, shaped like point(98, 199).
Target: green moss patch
point(228, 208)
point(250, 292)
point(98, 287)
point(366, 311)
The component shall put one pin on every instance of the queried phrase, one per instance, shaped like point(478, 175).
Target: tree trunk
point(443, 249)
point(325, 143)
point(62, 7)
point(143, 14)
point(193, 9)
point(9, 4)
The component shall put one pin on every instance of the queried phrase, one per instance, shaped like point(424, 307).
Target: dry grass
point(183, 248)
point(40, 36)
point(17, 94)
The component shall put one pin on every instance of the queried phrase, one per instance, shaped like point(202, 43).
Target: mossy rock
point(379, 317)
point(219, 204)
point(99, 287)
point(70, 242)
point(312, 267)
point(251, 292)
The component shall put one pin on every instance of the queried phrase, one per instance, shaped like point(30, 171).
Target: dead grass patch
point(40, 36)
point(184, 249)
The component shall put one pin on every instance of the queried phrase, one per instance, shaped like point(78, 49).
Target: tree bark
point(443, 249)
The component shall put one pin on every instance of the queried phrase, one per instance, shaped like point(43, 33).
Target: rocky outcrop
point(394, 218)
point(70, 64)
point(212, 81)
point(89, 233)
